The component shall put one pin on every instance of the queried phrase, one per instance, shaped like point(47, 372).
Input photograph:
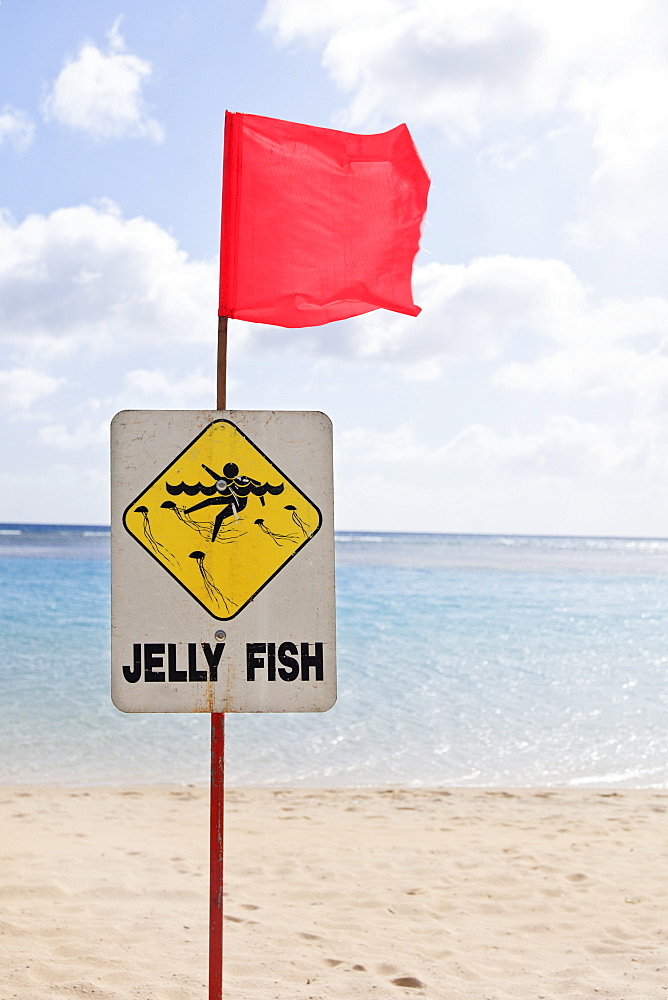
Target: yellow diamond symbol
point(222, 519)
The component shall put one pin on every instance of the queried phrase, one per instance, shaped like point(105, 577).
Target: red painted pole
point(217, 800)
point(216, 853)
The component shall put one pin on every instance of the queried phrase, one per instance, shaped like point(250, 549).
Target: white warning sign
point(222, 562)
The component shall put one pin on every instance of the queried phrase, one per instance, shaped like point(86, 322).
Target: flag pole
point(217, 798)
point(221, 378)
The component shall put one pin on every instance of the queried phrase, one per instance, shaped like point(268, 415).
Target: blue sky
point(530, 394)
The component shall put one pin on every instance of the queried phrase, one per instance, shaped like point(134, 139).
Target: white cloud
point(594, 373)
point(564, 475)
point(85, 424)
point(85, 278)
point(423, 371)
point(492, 308)
point(16, 127)
point(629, 118)
point(563, 448)
point(562, 451)
point(21, 387)
point(452, 64)
point(86, 275)
point(156, 389)
point(101, 93)
point(478, 309)
point(86, 434)
point(55, 492)
point(80, 424)
point(396, 447)
point(465, 66)
point(509, 154)
point(474, 68)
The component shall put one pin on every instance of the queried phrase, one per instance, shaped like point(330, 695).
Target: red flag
point(318, 225)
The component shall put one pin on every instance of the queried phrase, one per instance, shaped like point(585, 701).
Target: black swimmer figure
point(233, 492)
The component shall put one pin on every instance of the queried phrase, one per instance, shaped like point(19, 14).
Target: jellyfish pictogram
point(211, 588)
point(233, 492)
point(279, 539)
point(157, 546)
point(297, 519)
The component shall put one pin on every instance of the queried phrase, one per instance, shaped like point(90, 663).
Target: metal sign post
point(217, 793)
point(222, 575)
point(216, 855)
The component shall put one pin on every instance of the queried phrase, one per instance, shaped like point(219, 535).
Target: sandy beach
point(462, 894)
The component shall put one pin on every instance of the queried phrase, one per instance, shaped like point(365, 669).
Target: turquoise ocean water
point(463, 660)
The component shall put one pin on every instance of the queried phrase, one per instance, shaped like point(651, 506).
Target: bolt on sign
point(222, 561)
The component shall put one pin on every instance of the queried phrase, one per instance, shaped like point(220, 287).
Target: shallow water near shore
point(463, 660)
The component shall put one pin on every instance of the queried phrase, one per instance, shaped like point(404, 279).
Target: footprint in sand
point(412, 982)
point(409, 981)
